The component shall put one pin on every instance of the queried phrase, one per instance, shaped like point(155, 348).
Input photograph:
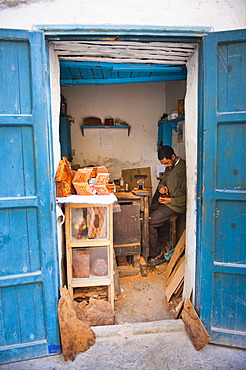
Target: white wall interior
point(191, 113)
point(55, 113)
point(219, 14)
point(175, 90)
point(140, 105)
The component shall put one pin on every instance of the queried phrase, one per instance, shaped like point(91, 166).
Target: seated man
point(171, 202)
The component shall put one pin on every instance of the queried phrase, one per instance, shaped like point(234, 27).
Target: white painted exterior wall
point(218, 14)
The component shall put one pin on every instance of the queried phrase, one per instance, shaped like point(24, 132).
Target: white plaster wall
point(219, 14)
point(175, 90)
point(55, 112)
point(55, 103)
point(140, 105)
point(191, 111)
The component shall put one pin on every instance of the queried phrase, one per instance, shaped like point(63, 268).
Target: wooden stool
point(173, 231)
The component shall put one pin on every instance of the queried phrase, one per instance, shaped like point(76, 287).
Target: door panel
point(223, 227)
point(28, 270)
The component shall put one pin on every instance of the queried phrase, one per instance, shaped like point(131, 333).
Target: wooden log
point(194, 326)
point(127, 271)
point(76, 336)
point(176, 254)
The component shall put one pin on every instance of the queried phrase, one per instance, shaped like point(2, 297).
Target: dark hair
point(165, 152)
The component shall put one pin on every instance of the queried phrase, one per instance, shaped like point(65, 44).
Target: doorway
point(190, 140)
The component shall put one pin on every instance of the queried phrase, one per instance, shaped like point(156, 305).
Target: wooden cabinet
point(89, 246)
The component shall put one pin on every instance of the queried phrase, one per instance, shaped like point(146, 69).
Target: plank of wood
point(176, 254)
point(76, 336)
point(178, 309)
point(122, 60)
point(168, 280)
point(178, 292)
point(177, 278)
point(194, 326)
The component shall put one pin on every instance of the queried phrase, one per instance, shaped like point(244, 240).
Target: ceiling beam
point(120, 81)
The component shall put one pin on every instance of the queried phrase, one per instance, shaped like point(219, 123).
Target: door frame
point(137, 34)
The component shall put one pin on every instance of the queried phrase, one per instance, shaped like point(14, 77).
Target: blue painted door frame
point(28, 258)
point(221, 249)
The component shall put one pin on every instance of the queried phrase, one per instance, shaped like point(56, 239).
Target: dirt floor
point(143, 298)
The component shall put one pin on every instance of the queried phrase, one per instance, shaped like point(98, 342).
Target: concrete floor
point(143, 346)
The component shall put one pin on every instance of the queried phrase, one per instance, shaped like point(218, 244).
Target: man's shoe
point(156, 261)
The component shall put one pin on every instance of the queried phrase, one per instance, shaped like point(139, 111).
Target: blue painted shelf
point(83, 127)
point(165, 130)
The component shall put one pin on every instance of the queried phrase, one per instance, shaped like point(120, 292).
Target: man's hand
point(163, 190)
point(164, 200)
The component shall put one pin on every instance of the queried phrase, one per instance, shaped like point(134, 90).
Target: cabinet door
point(127, 228)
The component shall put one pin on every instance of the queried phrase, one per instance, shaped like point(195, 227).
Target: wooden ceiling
point(119, 62)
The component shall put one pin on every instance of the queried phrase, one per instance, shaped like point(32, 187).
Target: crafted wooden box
point(81, 263)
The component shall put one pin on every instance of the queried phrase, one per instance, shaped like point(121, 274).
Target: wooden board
point(170, 278)
point(178, 292)
point(176, 254)
point(194, 326)
point(177, 278)
point(128, 176)
point(76, 336)
point(179, 308)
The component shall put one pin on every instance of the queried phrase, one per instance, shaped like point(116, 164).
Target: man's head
point(167, 156)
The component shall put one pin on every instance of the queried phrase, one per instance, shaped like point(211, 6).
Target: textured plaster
point(219, 14)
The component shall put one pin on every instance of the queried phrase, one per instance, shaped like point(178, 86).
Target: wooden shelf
point(105, 127)
point(91, 281)
point(93, 246)
point(173, 123)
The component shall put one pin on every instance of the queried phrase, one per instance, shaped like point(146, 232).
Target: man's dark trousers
point(158, 217)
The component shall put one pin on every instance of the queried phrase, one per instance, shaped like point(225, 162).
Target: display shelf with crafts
point(88, 226)
point(89, 243)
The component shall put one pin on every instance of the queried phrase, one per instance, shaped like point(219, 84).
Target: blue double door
point(28, 259)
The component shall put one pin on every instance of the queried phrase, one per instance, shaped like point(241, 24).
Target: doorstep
point(139, 328)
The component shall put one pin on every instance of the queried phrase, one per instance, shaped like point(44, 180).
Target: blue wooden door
point(28, 271)
point(222, 259)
